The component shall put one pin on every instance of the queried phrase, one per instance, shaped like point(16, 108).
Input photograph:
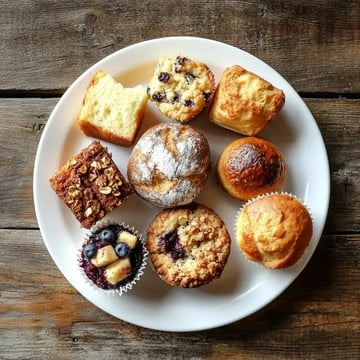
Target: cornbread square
point(90, 184)
point(111, 112)
point(244, 102)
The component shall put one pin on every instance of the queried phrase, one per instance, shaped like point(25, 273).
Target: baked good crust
point(90, 184)
point(169, 164)
point(244, 102)
point(251, 166)
point(203, 245)
point(111, 112)
point(274, 230)
point(181, 87)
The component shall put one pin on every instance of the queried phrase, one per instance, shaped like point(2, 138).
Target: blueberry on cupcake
point(113, 257)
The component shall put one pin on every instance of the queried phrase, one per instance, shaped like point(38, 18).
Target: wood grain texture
point(46, 45)
point(26, 118)
point(49, 316)
point(314, 45)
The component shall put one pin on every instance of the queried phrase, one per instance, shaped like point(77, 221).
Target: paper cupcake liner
point(257, 263)
point(140, 272)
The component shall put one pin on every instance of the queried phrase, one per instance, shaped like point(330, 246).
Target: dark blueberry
point(158, 97)
point(122, 249)
point(107, 236)
point(164, 77)
point(188, 103)
point(207, 95)
point(181, 59)
point(175, 99)
point(171, 244)
point(189, 78)
point(90, 250)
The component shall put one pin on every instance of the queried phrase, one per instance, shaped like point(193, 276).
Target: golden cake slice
point(244, 102)
point(112, 112)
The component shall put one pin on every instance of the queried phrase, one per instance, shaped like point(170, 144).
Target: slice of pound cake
point(112, 112)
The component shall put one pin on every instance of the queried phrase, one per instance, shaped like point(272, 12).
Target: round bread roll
point(274, 230)
point(250, 166)
point(169, 165)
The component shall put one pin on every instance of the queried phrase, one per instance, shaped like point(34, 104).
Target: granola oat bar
point(91, 184)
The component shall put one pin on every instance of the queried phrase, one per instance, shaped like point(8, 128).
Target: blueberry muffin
point(274, 230)
point(188, 246)
point(113, 257)
point(181, 87)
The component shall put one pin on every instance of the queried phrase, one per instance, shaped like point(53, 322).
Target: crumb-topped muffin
point(169, 164)
point(274, 230)
point(90, 184)
point(188, 246)
point(113, 257)
point(251, 166)
point(181, 87)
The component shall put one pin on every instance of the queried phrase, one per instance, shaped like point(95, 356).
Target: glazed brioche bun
point(250, 166)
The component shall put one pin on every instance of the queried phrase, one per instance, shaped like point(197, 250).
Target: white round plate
point(244, 287)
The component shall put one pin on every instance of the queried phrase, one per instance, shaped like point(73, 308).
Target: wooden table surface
point(46, 45)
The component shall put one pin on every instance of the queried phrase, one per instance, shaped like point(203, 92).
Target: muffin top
point(274, 230)
point(181, 87)
point(188, 246)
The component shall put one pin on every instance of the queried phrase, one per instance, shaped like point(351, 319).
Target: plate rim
point(129, 48)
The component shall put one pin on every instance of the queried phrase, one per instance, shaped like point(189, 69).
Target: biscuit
point(244, 102)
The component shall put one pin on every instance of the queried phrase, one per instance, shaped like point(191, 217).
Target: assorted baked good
point(250, 166)
point(244, 102)
point(113, 257)
point(188, 243)
point(274, 230)
point(169, 164)
point(111, 112)
point(188, 246)
point(90, 184)
point(181, 87)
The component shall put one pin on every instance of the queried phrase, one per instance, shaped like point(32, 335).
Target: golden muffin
point(244, 102)
point(274, 230)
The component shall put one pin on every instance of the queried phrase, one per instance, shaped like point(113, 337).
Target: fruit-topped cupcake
point(113, 257)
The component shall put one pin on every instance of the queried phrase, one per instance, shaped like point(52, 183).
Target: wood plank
point(312, 44)
point(340, 128)
point(26, 118)
point(42, 315)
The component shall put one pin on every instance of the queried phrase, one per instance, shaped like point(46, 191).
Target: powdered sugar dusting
point(179, 195)
point(173, 152)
